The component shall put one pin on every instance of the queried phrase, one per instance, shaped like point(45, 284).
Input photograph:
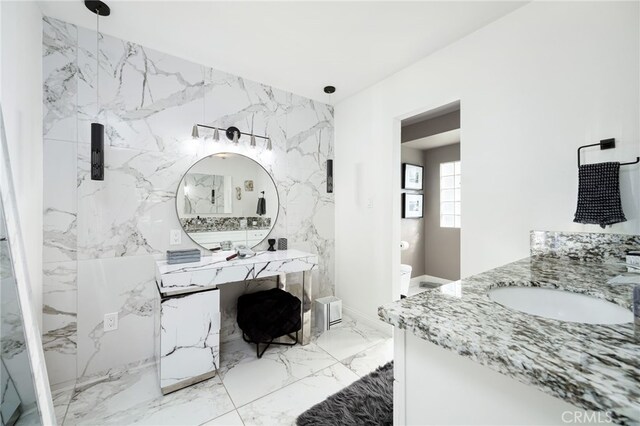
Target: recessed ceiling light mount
point(329, 89)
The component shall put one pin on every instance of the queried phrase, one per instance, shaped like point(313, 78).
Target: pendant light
point(97, 129)
point(329, 90)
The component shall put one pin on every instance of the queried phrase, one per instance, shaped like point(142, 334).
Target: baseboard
point(373, 322)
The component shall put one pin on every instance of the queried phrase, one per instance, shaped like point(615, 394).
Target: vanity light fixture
point(97, 129)
point(233, 134)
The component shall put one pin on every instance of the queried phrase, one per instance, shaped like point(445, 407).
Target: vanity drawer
point(277, 267)
point(173, 282)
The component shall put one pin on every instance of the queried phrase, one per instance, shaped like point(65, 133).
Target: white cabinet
point(189, 339)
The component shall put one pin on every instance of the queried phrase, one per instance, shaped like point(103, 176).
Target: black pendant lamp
point(97, 129)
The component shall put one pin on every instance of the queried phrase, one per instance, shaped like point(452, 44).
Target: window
point(450, 195)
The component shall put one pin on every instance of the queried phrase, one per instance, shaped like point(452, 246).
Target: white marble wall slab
point(60, 80)
point(189, 337)
point(60, 320)
point(148, 102)
point(60, 201)
point(125, 285)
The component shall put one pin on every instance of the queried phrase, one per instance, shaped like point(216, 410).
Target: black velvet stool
point(266, 315)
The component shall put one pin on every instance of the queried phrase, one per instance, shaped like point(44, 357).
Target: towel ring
point(606, 144)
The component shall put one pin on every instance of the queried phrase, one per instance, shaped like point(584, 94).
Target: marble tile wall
point(101, 237)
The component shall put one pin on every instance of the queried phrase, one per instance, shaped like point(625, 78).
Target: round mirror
point(227, 200)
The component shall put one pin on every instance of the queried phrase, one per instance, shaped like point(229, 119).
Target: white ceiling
point(296, 46)
point(435, 141)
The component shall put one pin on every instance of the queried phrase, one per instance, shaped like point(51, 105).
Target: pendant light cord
point(97, 64)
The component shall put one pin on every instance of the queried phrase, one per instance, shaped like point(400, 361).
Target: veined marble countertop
point(214, 269)
point(596, 367)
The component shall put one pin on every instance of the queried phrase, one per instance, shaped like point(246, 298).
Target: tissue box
point(183, 256)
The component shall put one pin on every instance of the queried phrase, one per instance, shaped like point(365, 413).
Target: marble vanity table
point(462, 358)
point(189, 331)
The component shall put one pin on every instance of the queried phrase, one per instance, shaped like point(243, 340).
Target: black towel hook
point(606, 144)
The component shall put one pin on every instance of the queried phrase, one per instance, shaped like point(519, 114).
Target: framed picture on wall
point(411, 176)
point(412, 206)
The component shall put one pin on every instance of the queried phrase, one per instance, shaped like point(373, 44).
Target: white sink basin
point(561, 305)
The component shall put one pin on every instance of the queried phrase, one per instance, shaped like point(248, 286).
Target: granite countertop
point(596, 367)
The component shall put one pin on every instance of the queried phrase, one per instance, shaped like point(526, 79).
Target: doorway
point(431, 214)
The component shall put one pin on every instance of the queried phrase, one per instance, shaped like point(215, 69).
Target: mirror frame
point(273, 223)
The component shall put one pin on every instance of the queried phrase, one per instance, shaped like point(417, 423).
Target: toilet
point(405, 279)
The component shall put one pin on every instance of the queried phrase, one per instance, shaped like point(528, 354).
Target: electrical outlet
point(110, 322)
point(175, 237)
point(370, 202)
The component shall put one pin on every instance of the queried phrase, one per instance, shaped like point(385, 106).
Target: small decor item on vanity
point(183, 256)
point(272, 243)
point(282, 243)
point(226, 245)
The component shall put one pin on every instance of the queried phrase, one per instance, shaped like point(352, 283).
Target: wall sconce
point(233, 134)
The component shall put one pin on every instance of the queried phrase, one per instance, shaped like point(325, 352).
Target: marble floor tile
point(285, 405)
point(368, 360)
point(136, 399)
point(248, 378)
point(61, 400)
point(349, 338)
point(230, 419)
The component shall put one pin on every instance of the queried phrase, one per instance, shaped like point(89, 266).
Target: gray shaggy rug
point(369, 401)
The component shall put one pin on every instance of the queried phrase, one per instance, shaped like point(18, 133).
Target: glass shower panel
point(18, 405)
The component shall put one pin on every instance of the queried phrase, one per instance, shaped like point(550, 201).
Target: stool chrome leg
point(307, 286)
point(282, 282)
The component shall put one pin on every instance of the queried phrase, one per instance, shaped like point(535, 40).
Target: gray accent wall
point(431, 126)
point(442, 245)
point(412, 230)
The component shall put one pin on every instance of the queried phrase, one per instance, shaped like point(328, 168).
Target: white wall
point(533, 86)
point(21, 83)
